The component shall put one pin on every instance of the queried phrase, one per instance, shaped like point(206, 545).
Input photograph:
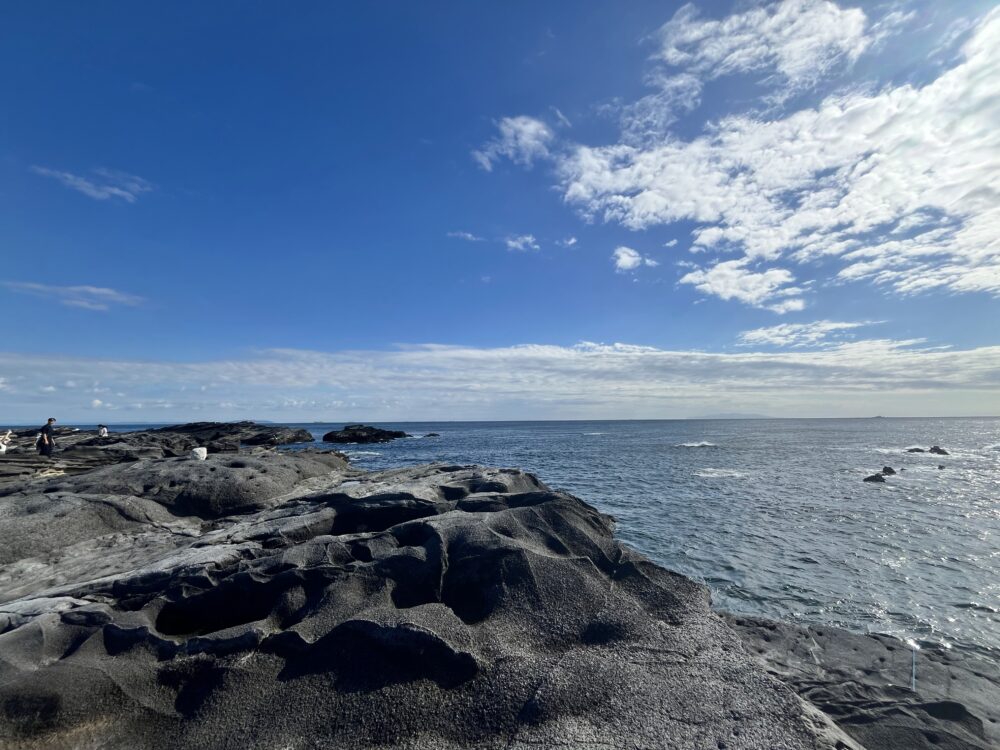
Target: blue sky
point(457, 210)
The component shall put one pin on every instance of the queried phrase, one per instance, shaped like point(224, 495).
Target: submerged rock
point(874, 478)
point(915, 450)
point(888, 471)
point(359, 433)
point(426, 607)
point(938, 450)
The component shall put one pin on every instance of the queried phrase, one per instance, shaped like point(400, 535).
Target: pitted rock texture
point(426, 607)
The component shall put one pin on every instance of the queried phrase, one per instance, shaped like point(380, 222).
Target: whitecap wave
point(595, 433)
point(702, 444)
point(719, 474)
point(361, 454)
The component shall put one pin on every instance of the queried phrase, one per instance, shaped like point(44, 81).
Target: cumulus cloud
point(521, 243)
point(568, 242)
point(85, 297)
point(531, 381)
point(102, 183)
point(770, 289)
point(817, 333)
point(854, 178)
point(521, 139)
point(627, 259)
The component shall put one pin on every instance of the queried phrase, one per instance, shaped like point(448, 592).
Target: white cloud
point(102, 184)
point(627, 259)
point(731, 279)
point(563, 120)
point(829, 182)
point(521, 243)
point(568, 242)
point(468, 236)
point(800, 40)
point(670, 243)
point(85, 297)
point(96, 403)
point(521, 139)
point(530, 381)
point(817, 333)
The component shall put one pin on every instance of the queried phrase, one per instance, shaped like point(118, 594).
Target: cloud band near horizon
point(438, 382)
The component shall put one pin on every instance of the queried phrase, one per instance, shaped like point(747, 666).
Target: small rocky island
point(264, 598)
point(360, 433)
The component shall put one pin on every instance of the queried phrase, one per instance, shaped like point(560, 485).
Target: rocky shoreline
point(271, 599)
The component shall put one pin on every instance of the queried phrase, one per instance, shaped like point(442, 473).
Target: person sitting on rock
point(102, 430)
point(47, 438)
point(5, 441)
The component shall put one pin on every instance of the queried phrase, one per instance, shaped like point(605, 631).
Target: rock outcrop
point(360, 433)
point(286, 600)
point(937, 450)
point(863, 682)
point(82, 450)
point(888, 471)
point(875, 478)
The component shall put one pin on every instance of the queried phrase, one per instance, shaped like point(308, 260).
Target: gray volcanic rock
point(938, 450)
point(217, 487)
point(359, 433)
point(863, 683)
point(888, 471)
point(427, 607)
point(248, 433)
point(875, 478)
point(82, 450)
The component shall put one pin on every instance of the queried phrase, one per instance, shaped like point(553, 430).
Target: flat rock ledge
point(286, 600)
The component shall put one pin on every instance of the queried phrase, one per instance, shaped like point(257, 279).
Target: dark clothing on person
point(47, 440)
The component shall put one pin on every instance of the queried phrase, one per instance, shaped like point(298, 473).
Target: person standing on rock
point(47, 438)
point(5, 441)
point(102, 430)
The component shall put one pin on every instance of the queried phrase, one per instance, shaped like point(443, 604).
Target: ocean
point(773, 515)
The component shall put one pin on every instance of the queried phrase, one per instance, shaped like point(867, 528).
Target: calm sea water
point(772, 514)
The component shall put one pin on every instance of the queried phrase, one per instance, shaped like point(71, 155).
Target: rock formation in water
point(888, 471)
point(271, 600)
point(875, 477)
point(267, 599)
point(360, 433)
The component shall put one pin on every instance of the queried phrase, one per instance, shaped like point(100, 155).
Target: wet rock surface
point(147, 605)
point(863, 682)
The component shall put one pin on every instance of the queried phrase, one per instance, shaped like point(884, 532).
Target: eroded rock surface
point(863, 682)
point(426, 607)
point(83, 450)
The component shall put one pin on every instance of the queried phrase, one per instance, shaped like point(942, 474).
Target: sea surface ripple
point(772, 514)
